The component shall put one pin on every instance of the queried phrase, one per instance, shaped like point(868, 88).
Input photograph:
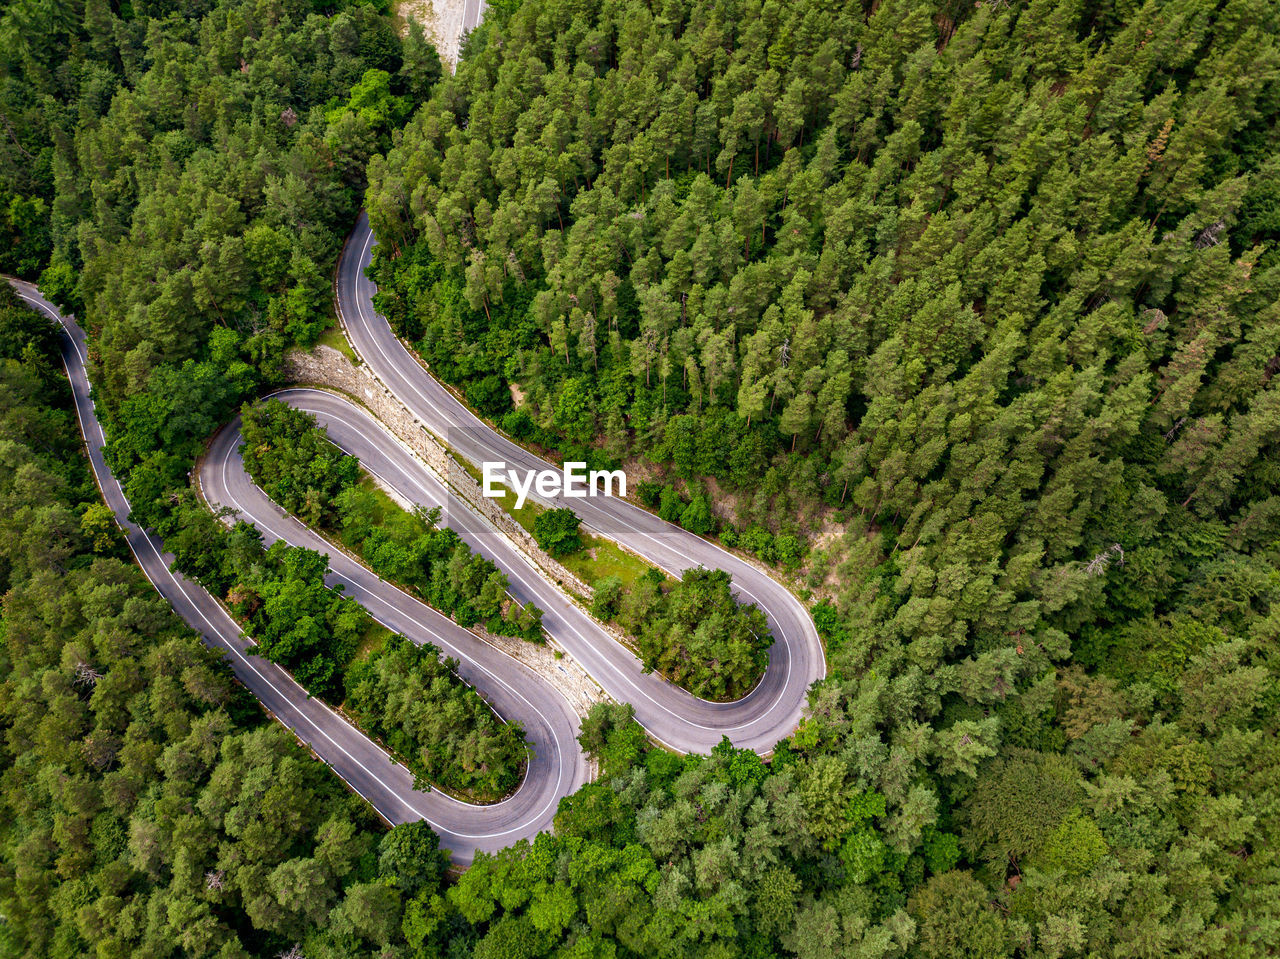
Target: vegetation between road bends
point(294, 462)
point(411, 698)
point(329, 641)
point(297, 621)
point(693, 631)
point(556, 531)
point(291, 458)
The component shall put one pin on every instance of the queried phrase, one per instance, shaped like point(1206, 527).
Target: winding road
point(771, 711)
point(557, 767)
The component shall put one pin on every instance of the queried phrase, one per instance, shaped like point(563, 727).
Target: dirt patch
point(829, 532)
point(727, 507)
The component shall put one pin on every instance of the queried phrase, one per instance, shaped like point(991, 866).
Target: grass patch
point(335, 338)
point(525, 515)
point(602, 557)
point(374, 638)
point(388, 513)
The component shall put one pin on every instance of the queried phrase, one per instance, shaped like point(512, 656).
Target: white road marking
point(482, 433)
point(221, 634)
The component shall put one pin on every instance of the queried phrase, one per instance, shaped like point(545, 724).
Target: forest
point(149, 806)
point(964, 313)
point(982, 302)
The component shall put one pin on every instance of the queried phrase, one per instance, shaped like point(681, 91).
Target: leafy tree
point(606, 597)
point(556, 531)
point(411, 698)
point(696, 517)
point(955, 919)
point(611, 736)
point(294, 462)
point(411, 855)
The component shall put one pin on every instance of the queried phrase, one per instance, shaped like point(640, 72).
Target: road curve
point(557, 767)
point(770, 712)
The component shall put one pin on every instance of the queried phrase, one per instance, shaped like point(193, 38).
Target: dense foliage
point(192, 169)
point(726, 231)
point(990, 290)
point(1112, 821)
point(412, 698)
point(296, 619)
point(987, 289)
point(556, 531)
point(292, 459)
point(148, 807)
point(294, 462)
point(692, 631)
point(184, 175)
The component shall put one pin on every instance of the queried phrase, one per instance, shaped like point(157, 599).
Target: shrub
point(557, 531)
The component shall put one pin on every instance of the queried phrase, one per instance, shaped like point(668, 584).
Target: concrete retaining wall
point(325, 366)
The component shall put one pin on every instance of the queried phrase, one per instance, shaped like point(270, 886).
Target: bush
point(519, 424)
point(758, 540)
point(790, 550)
point(670, 505)
point(696, 517)
point(608, 597)
point(649, 493)
point(489, 395)
point(557, 531)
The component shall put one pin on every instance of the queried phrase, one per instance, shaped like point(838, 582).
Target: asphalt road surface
point(768, 713)
point(557, 767)
point(472, 14)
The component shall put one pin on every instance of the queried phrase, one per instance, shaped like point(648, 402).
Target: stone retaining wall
point(325, 366)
